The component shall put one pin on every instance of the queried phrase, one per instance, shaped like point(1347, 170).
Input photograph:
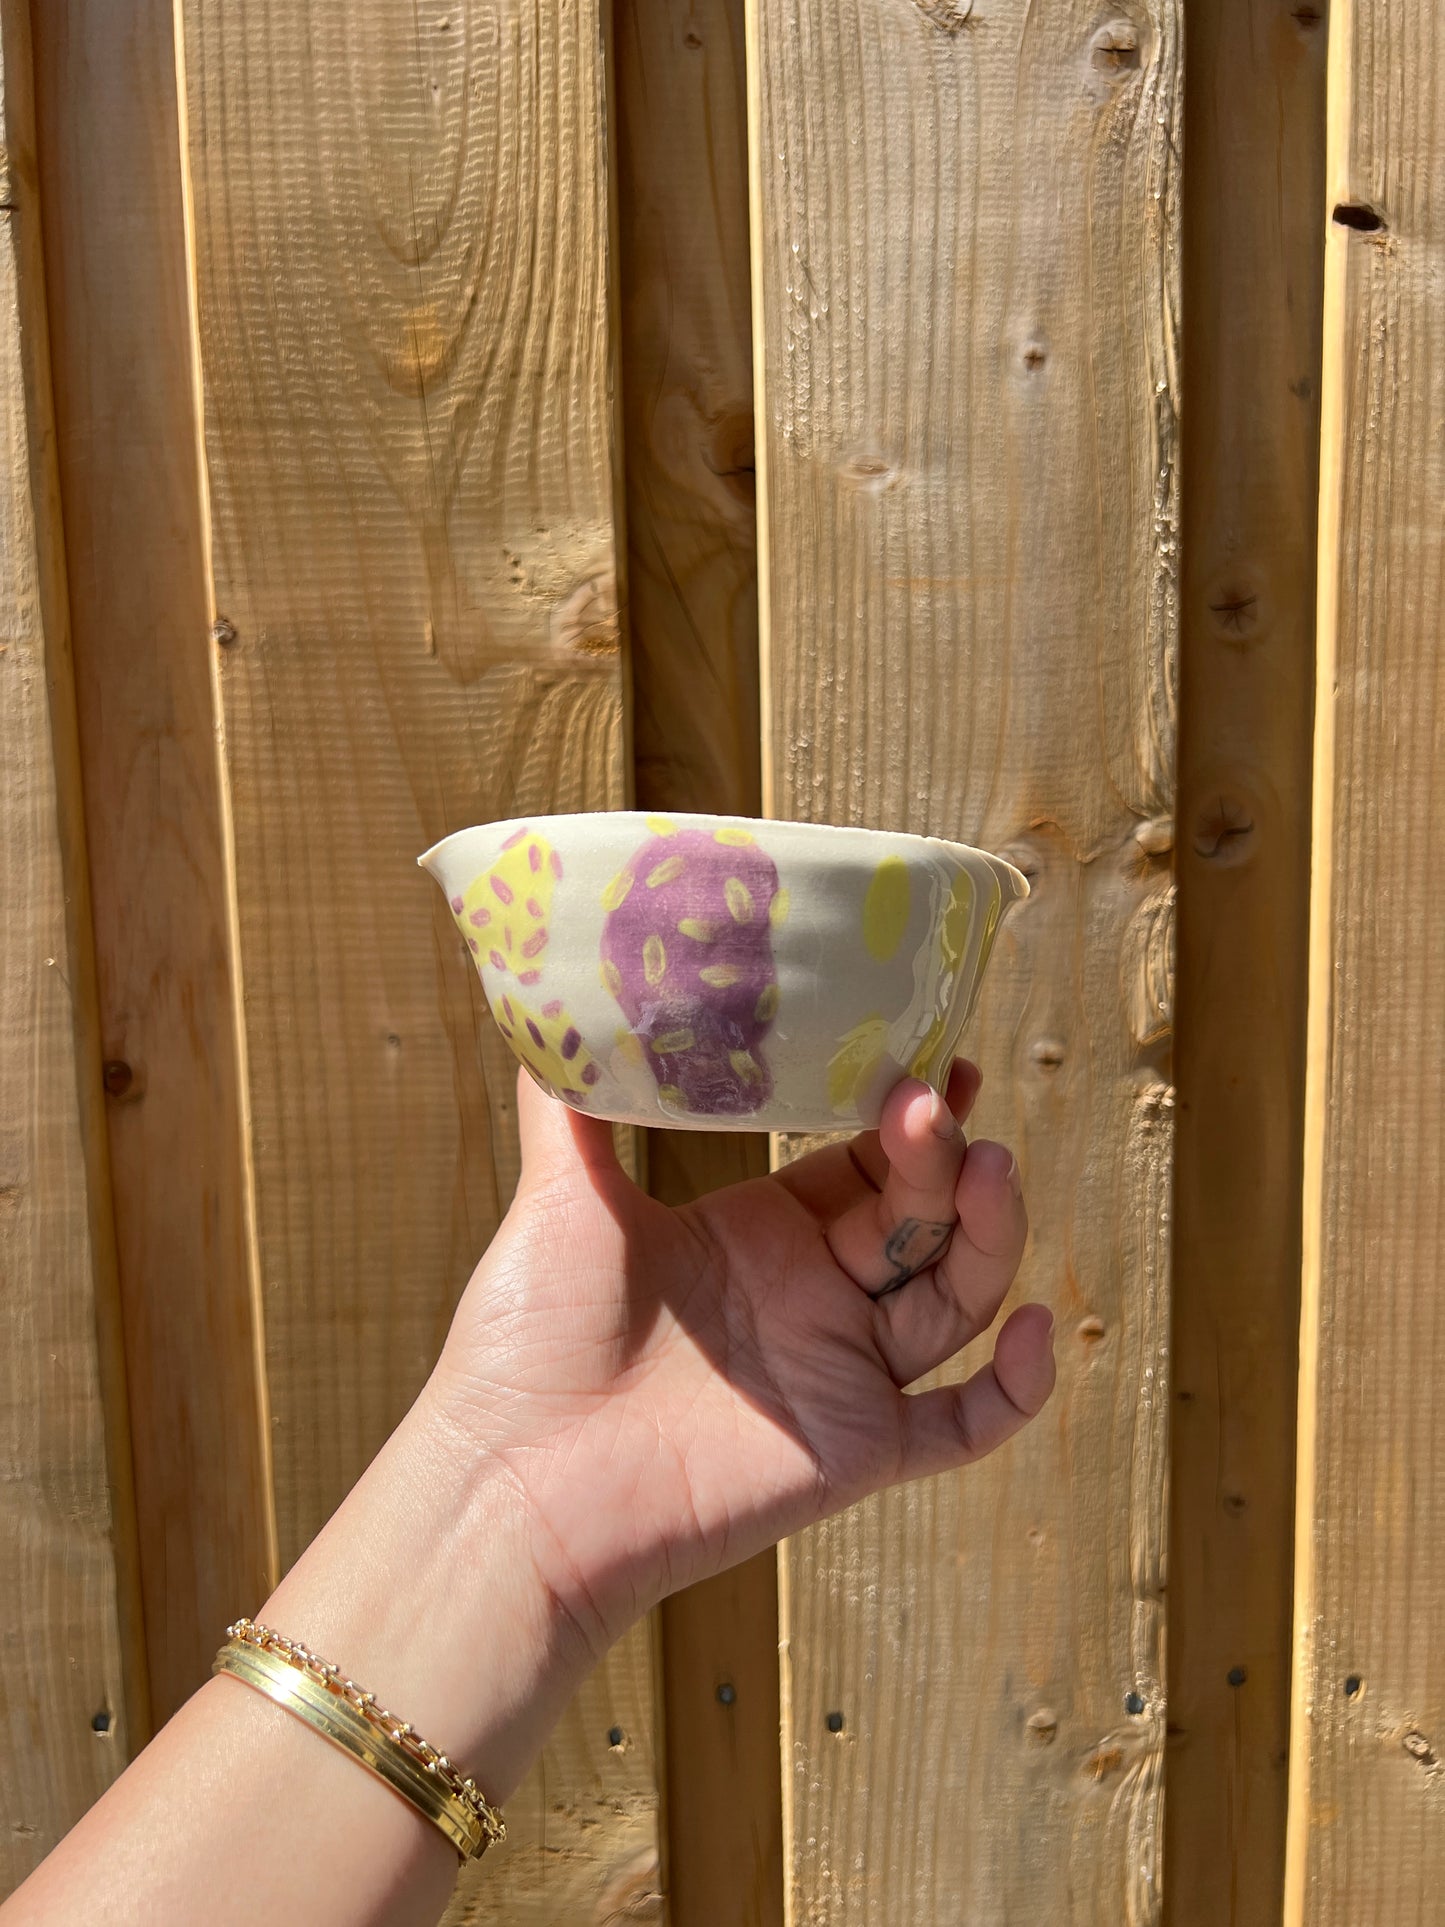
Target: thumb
point(956, 1424)
point(557, 1141)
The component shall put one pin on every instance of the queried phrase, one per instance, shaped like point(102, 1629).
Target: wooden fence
point(379, 394)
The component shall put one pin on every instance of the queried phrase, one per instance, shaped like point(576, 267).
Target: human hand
point(630, 1398)
point(670, 1391)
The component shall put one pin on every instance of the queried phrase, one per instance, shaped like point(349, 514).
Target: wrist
point(429, 1588)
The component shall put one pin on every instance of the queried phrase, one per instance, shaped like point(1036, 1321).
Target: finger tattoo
point(912, 1246)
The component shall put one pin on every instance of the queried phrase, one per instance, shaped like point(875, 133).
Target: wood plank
point(401, 226)
point(686, 343)
point(967, 276)
point(126, 423)
point(72, 1674)
point(1253, 269)
point(1367, 1792)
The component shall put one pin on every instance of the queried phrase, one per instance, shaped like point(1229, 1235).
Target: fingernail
point(941, 1120)
point(1015, 1178)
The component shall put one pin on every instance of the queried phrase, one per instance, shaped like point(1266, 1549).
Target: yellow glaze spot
point(767, 1005)
point(885, 908)
point(719, 975)
point(854, 1061)
point(990, 931)
point(746, 1066)
point(738, 838)
point(563, 1074)
point(630, 1047)
point(953, 936)
point(673, 1040)
point(661, 826)
point(778, 909)
point(612, 979)
point(616, 891)
point(671, 1098)
point(667, 872)
point(508, 906)
point(654, 960)
point(739, 900)
point(699, 931)
point(923, 1056)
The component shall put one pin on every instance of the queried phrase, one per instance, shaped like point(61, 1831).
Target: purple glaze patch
point(687, 952)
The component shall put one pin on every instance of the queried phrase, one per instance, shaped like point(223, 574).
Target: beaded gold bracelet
point(338, 1709)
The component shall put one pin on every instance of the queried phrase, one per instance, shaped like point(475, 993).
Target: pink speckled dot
point(456, 906)
point(479, 917)
point(474, 944)
point(554, 1009)
point(590, 1073)
point(534, 909)
point(515, 838)
point(529, 976)
point(498, 961)
point(556, 862)
point(502, 891)
point(534, 855)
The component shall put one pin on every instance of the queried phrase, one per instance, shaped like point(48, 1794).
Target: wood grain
point(1253, 268)
point(686, 344)
point(966, 271)
point(131, 486)
point(402, 233)
point(1367, 1791)
point(72, 1676)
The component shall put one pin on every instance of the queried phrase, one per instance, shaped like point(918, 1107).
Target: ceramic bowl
point(724, 973)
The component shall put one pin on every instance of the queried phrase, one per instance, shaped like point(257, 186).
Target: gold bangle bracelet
point(338, 1709)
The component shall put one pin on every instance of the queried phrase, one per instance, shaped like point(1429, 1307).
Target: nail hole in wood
point(1356, 215)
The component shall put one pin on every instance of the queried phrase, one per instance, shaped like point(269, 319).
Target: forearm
point(425, 1588)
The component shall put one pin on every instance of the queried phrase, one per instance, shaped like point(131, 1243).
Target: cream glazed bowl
point(724, 973)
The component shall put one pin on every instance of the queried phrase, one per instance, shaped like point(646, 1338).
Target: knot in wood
point(1224, 832)
point(948, 16)
point(1043, 1726)
point(117, 1077)
point(1115, 47)
point(1236, 613)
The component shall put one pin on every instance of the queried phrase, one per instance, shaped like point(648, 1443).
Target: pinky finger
point(957, 1424)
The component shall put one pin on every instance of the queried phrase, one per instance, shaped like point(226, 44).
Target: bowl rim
point(1002, 867)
